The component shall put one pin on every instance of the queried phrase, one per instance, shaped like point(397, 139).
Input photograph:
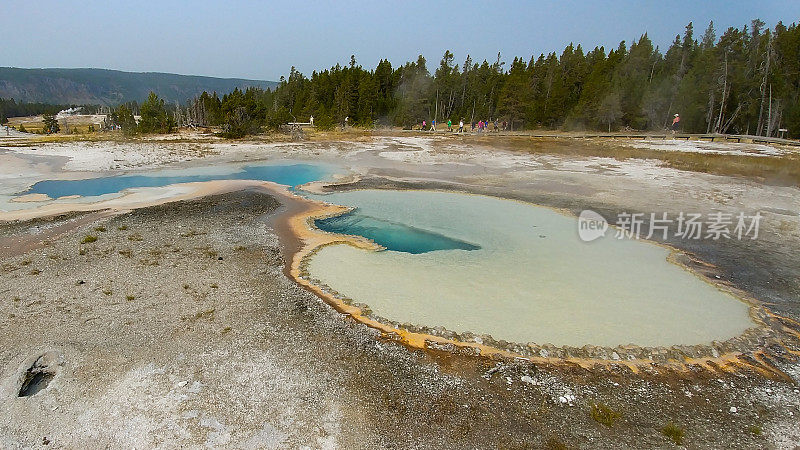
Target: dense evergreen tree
point(122, 118)
point(155, 118)
point(50, 124)
point(744, 80)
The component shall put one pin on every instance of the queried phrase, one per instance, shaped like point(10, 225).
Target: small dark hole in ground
point(300, 307)
point(35, 381)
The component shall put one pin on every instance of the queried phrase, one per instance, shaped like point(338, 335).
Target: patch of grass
point(214, 286)
point(25, 262)
point(555, 443)
point(192, 233)
point(208, 252)
point(604, 415)
point(240, 248)
point(107, 291)
point(88, 239)
point(225, 330)
point(755, 430)
point(126, 252)
point(122, 227)
point(35, 272)
point(81, 251)
point(135, 237)
point(674, 432)
point(202, 315)
point(130, 298)
point(53, 257)
point(101, 229)
point(185, 286)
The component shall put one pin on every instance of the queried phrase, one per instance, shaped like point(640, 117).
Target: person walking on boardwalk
point(676, 123)
point(449, 125)
point(433, 125)
point(424, 124)
point(461, 126)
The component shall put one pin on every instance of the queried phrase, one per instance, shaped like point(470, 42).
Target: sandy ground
point(258, 360)
point(178, 328)
point(710, 147)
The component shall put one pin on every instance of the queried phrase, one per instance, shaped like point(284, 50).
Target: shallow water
point(291, 174)
point(531, 279)
point(391, 235)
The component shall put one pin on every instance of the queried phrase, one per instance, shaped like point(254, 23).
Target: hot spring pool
point(517, 272)
point(288, 173)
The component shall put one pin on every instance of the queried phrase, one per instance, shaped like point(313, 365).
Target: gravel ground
point(177, 328)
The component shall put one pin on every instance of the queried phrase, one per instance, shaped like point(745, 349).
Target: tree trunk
point(710, 115)
point(760, 126)
point(436, 111)
point(769, 114)
point(724, 93)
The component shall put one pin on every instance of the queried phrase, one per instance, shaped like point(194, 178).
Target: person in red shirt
point(675, 122)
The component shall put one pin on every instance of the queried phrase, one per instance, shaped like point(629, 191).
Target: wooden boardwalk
point(736, 138)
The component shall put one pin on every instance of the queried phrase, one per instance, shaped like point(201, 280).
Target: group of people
point(481, 126)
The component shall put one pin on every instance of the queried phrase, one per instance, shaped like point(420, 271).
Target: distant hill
point(110, 87)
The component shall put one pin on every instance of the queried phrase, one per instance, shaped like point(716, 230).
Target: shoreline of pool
point(728, 355)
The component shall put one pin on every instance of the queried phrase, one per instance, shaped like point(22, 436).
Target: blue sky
point(262, 40)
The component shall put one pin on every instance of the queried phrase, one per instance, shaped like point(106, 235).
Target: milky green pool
point(526, 278)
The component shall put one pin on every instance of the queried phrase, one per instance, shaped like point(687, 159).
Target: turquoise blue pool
point(517, 272)
point(392, 235)
point(291, 174)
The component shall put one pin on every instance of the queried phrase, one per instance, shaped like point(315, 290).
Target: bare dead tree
point(731, 119)
point(710, 114)
point(767, 58)
point(718, 126)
